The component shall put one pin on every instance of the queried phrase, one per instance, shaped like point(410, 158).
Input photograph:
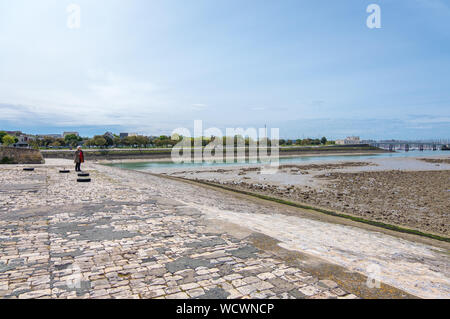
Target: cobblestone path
point(120, 237)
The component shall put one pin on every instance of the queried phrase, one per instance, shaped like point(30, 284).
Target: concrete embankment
point(11, 155)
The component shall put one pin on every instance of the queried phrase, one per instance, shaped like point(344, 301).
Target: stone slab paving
point(119, 237)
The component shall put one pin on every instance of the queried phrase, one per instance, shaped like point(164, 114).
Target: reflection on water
point(297, 159)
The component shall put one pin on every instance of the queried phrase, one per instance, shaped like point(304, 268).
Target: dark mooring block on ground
point(83, 180)
point(28, 169)
point(83, 174)
point(64, 171)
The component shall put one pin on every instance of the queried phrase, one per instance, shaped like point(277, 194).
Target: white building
point(25, 138)
point(349, 140)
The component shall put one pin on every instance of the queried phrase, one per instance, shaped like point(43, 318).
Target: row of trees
point(240, 140)
point(166, 141)
point(108, 140)
point(236, 140)
point(48, 141)
point(306, 141)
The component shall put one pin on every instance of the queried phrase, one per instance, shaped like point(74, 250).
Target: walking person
point(78, 159)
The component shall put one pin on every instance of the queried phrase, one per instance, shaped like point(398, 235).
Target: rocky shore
point(391, 197)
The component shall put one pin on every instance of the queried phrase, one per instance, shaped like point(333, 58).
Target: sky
point(309, 68)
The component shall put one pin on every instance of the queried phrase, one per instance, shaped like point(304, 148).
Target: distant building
point(132, 134)
point(70, 133)
point(349, 140)
point(25, 138)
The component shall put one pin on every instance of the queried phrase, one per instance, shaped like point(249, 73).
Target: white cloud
point(443, 119)
point(106, 98)
point(199, 107)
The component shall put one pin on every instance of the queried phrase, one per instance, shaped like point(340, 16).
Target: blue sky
point(311, 68)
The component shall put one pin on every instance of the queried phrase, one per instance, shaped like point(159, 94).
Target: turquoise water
point(298, 159)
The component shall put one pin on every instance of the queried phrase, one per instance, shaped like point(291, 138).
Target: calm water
point(298, 159)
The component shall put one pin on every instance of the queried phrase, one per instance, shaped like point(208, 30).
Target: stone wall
point(109, 154)
point(11, 155)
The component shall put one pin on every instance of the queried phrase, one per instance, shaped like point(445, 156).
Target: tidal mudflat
point(410, 192)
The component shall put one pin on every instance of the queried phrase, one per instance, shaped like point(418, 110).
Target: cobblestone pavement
point(121, 237)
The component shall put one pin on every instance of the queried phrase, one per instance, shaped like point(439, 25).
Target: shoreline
point(315, 213)
point(165, 154)
point(396, 228)
point(169, 159)
point(404, 193)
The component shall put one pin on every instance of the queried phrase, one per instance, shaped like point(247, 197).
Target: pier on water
point(412, 145)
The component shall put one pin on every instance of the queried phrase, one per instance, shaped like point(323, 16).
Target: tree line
point(307, 141)
point(108, 140)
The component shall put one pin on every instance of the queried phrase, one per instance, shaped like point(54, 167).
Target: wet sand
point(437, 160)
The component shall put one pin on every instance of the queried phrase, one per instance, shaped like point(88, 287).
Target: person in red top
point(78, 159)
